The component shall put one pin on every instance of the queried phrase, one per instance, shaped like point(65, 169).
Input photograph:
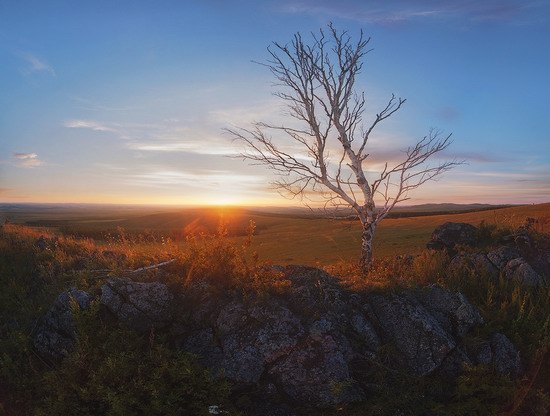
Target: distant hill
point(448, 207)
point(169, 217)
point(397, 212)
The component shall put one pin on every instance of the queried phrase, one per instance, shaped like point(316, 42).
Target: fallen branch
point(154, 266)
point(101, 271)
point(141, 269)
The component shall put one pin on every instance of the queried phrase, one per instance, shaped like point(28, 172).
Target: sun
point(225, 200)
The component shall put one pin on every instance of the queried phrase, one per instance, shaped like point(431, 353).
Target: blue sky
point(126, 101)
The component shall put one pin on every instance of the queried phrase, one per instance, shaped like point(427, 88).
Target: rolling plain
point(282, 235)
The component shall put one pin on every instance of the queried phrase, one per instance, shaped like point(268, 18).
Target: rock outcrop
point(137, 305)
point(512, 262)
point(499, 353)
point(55, 335)
point(448, 235)
point(304, 346)
point(301, 347)
point(520, 271)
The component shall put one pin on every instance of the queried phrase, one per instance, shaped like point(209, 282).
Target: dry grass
point(33, 276)
point(324, 242)
point(282, 239)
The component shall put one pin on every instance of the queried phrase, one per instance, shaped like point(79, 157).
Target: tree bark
point(367, 238)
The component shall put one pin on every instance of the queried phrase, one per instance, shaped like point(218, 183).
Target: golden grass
point(323, 241)
point(282, 239)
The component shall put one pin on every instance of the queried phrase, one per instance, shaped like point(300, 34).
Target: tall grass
point(36, 265)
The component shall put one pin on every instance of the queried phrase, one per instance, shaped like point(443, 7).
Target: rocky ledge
point(516, 259)
point(309, 346)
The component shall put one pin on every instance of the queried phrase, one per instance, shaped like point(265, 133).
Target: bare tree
point(316, 82)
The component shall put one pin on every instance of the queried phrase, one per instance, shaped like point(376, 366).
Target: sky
point(126, 101)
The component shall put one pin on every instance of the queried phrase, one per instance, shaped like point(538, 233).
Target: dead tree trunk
point(367, 239)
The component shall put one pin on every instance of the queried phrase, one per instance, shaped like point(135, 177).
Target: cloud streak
point(168, 136)
point(25, 155)
point(209, 179)
point(87, 124)
point(200, 147)
point(36, 65)
point(27, 160)
point(396, 11)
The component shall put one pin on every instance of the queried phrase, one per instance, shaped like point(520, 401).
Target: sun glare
point(225, 200)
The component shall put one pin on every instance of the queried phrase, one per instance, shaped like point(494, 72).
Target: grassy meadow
point(322, 241)
point(281, 236)
point(105, 376)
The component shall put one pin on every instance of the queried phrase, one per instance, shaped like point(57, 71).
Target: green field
point(282, 236)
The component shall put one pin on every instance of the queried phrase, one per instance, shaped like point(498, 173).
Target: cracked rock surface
point(448, 235)
point(55, 335)
point(519, 270)
point(303, 346)
point(519, 261)
point(139, 306)
point(421, 340)
point(309, 345)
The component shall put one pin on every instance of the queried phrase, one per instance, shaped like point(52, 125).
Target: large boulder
point(292, 346)
point(448, 235)
point(55, 335)
point(451, 309)
point(520, 271)
point(139, 306)
point(317, 373)
point(254, 337)
point(421, 343)
point(477, 264)
point(499, 353)
point(500, 256)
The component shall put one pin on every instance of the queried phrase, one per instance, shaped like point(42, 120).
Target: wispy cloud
point(362, 12)
point(27, 160)
point(87, 124)
point(395, 11)
point(36, 64)
point(496, 185)
point(25, 155)
point(271, 109)
point(211, 146)
point(204, 137)
point(207, 179)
